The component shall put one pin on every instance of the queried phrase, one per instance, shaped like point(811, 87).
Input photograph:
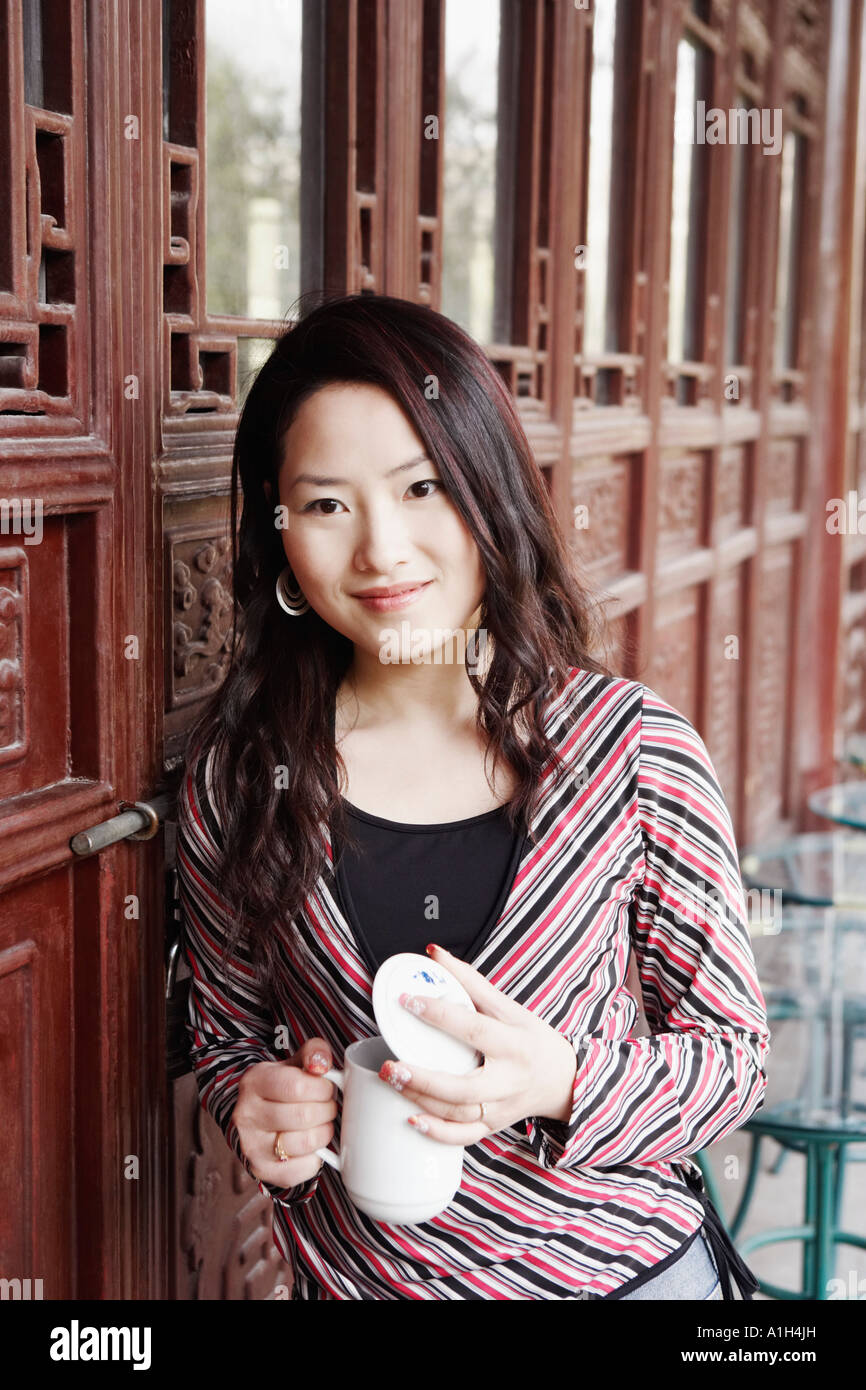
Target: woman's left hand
point(528, 1067)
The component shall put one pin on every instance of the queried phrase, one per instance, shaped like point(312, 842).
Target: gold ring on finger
point(279, 1150)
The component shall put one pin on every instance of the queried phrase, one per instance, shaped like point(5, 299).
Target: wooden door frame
point(122, 1243)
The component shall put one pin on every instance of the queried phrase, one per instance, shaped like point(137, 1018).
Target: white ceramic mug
point(390, 1170)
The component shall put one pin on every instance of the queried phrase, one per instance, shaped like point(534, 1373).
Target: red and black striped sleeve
point(229, 1025)
point(702, 1072)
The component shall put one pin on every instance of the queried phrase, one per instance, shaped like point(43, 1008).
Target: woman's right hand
point(292, 1099)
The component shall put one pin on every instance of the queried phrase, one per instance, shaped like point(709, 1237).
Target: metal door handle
point(138, 820)
point(171, 973)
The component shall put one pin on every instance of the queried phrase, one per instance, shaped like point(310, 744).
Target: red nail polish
point(431, 946)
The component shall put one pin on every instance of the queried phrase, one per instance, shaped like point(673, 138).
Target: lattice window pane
point(737, 224)
point(253, 93)
point(688, 208)
point(470, 149)
point(599, 315)
point(791, 207)
point(44, 365)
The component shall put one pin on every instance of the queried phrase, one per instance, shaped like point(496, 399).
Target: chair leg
point(827, 1156)
point(839, 1185)
point(811, 1218)
point(751, 1177)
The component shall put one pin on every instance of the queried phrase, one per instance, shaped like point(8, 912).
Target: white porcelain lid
point(410, 1038)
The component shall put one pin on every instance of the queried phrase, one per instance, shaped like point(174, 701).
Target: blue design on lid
point(428, 979)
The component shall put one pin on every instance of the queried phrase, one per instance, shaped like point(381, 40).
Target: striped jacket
point(634, 847)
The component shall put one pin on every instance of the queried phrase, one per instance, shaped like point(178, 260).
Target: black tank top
point(406, 885)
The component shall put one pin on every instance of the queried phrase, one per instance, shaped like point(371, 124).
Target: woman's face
point(365, 509)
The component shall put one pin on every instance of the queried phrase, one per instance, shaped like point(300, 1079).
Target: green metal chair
point(823, 1121)
point(820, 1231)
point(824, 1146)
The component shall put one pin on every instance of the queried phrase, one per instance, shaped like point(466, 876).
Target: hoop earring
point(292, 602)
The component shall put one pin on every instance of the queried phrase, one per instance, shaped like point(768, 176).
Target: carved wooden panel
point(14, 657)
point(225, 1246)
point(38, 739)
point(603, 519)
point(675, 666)
point(732, 501)
point(199, 618)
point(202, 608)
point(784, 475)
point(681, 505)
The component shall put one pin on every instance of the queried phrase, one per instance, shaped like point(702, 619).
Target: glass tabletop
point(810, 1118)
point(826, 869)
point(844, 803)
point(812, 972)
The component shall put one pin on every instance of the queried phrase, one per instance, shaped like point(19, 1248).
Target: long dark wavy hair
point(275, 706)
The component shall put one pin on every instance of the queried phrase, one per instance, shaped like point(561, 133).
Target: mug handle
point(329, 1156)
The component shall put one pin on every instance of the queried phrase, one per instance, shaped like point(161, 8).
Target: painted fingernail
point(419, 1123)
point(416, 1006)
point(396, 1075)
point(318, 1060)
point(431, 946)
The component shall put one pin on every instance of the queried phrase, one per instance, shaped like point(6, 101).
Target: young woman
point(415, 745)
